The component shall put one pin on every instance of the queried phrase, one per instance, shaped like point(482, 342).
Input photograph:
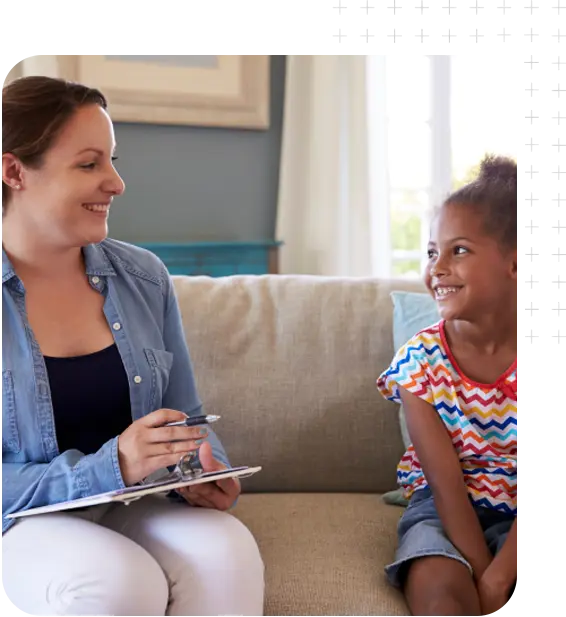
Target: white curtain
point(323, 214)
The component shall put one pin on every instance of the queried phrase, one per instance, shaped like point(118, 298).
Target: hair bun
point(498, 169)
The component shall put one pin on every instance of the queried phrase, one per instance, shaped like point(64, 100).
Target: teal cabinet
point(218, 258)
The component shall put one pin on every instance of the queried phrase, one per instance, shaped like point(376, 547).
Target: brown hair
point(494, 195)
point(34, 111)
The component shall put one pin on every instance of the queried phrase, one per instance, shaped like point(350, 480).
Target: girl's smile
point(468, 272)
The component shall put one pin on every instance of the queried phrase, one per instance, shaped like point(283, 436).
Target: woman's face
point(68, 198)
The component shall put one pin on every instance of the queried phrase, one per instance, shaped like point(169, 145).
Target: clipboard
point(183, 475)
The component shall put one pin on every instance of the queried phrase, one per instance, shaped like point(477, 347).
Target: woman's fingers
point(146, 445)
point(212, 494)
point(161, 417)
point(196, 500)
point(171, 447)
point(175, 433)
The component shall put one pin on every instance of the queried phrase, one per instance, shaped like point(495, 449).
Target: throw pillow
point(411, 313)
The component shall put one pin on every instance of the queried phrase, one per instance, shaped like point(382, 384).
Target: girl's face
point(468, 272)
point(67, 200)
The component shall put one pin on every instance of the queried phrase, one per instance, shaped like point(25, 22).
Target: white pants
point(153, 557)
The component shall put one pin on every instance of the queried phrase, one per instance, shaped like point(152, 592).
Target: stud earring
point(18, 187)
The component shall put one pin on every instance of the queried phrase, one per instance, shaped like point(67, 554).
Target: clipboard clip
point(185, 470)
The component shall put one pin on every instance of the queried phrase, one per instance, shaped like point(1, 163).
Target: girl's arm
point(496, 584)
point(502, 572)
point(442, 470)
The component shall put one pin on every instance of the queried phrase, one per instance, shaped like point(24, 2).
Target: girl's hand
point(493, 595)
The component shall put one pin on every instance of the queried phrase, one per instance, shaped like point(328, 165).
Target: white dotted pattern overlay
point(533, 34)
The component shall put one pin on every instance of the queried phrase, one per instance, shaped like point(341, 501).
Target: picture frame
point(214, 91)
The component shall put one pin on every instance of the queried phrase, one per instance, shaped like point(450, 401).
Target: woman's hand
point(219, 495)
point(146, 445)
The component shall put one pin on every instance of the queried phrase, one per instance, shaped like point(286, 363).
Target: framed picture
point(223, 91)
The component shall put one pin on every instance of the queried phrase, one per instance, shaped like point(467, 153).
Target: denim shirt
point(143, 314)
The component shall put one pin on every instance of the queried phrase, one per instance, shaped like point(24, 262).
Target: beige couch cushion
point(324, 554)
point(290, 364)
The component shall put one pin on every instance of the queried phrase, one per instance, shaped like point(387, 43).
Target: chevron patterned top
point(481, 418)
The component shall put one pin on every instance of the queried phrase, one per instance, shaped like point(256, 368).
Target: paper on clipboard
point(132, 493)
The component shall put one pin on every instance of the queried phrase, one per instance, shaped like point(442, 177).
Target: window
point(432, 119)
point(483, 111)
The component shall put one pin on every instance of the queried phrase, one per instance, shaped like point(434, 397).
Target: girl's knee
point(440, 586)
point(448, 604)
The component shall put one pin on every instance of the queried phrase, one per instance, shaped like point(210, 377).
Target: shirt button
point(137, 379)
point(116, 326)
point(95, 280)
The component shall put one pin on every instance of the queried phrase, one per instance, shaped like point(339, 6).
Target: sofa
point(290, 364)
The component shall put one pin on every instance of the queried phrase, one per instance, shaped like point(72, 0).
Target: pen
point(195, 421)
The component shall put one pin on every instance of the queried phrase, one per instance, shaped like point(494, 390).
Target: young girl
point(457, 380)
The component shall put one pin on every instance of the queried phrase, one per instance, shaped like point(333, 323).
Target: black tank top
point(91, 399)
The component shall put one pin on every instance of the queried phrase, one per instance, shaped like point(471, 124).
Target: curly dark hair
point(493, 194)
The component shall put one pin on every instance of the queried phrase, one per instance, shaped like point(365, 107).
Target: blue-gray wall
point(186, 183)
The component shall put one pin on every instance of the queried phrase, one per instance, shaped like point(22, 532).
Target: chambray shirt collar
point(7, 268)
point(96, 262)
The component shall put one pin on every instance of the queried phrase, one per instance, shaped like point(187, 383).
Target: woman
point(94, 364)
